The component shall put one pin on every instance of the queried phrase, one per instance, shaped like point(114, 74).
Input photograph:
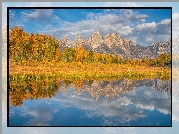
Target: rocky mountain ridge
point(114, 44)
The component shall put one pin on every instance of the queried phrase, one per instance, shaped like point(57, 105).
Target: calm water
point(91, 103)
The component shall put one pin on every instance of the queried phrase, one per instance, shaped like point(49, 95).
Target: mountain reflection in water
point(113, 103)
point(42, 89)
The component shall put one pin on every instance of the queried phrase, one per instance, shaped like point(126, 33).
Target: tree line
point(25, 49)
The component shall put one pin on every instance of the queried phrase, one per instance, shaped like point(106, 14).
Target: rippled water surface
point(90, 103)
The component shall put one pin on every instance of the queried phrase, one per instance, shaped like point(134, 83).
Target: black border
point(8, 8)
point(7, 67)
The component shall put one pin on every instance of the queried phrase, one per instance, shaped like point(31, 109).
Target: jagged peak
point(80, 37)
point(96, 32)
point(64, 38)
point(153, 44)
point(107, 35)
point(114, 34)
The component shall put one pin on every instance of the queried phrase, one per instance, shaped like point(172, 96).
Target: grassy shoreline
point(82, 71)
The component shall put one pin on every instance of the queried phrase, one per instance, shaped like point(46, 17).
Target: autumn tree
point(25, 48)
point(164, 60)
point(15, 45)
point(90, 56)
point(79, 53)
point(161, 60)
point(109, 58)
point(69, 54)
point(96, 57)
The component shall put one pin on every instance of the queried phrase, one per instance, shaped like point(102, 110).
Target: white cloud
point(4, 14)
point(175, 26)
point(33, 4)
point(42, 115)
point(106, 23)
point(175, 46)
point(143, 20)
point(146, 26)
point(33, 131)
point(20, 4)
point(122, 21)
point(38, 4)
point(165, 22)
point(147, 33)
point(175, 108)
point(122, 4)
point(131, 15)
point(48, 26)
point(123, 130)
point(175, 16)
point(175, 100)
point(126, 30)
point(38, 14)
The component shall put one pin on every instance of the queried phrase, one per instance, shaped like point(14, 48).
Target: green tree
point(69, 54)
point(164, 60)
point(90, 56)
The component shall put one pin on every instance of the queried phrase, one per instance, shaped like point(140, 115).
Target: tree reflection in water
point(32, 87)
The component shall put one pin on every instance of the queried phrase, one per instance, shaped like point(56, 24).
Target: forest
point(41, 54)
point(25, 49)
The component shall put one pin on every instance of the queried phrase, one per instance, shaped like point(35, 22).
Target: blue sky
point(131, 130)
point(143, 26)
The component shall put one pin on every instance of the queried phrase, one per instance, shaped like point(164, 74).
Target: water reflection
point(41, 89)
point(90, 102)
point(33, 90)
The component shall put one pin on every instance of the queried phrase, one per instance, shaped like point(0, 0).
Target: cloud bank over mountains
point(131, 24)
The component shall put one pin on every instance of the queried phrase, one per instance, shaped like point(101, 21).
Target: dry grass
point(81, 71)
point(76, 67)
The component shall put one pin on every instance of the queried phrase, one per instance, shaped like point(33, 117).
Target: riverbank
point(82, 71)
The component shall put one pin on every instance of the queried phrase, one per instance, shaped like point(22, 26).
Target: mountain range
point(114, 44)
